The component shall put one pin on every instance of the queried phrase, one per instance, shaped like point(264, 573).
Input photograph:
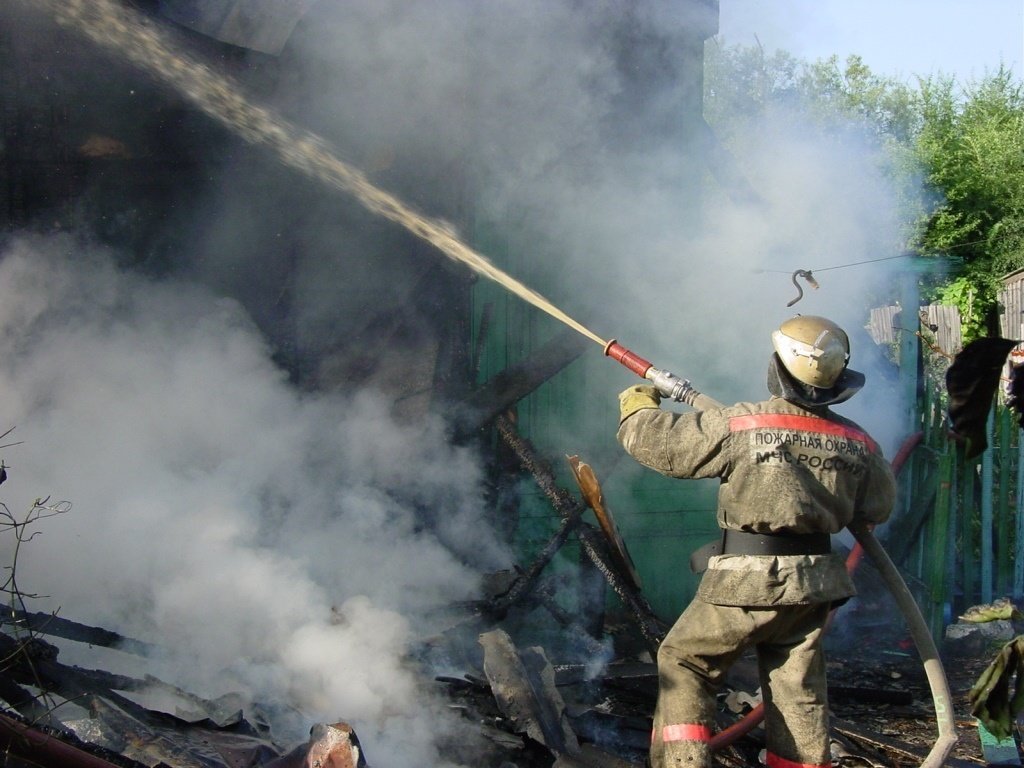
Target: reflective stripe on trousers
point(680, 745)
point(686, 732)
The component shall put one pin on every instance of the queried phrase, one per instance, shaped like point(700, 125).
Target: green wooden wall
point(576, 413)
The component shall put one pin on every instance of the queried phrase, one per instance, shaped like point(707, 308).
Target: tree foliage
point(955, 153)
point(972, 149)
point(885, 106)
point(743, 83)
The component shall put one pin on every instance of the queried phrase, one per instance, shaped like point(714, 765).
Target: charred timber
point(526, 581)
point(596, 547)
point(593, 541)
point(902, 750)
point(564, 502)
point(55, 626)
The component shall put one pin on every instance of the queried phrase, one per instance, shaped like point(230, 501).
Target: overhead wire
point(904, 255)
point(840, 266)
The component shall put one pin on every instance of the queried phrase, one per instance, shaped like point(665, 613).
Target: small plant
point(975, 297)
point(23, 530)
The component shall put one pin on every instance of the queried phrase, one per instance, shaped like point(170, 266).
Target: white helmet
point(814, 350)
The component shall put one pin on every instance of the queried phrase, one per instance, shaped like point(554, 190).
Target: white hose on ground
point(922, 639)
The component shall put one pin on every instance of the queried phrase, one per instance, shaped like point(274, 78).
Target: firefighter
point(791, 473)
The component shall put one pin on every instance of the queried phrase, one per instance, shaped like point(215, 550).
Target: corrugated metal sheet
point(1013, 277)
point(260, 25)
point(943, 322)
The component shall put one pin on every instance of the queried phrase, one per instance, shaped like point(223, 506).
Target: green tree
point(971, 150)
point(954, 154)
point(884, 105)
point(850, 98)
point(742, 83)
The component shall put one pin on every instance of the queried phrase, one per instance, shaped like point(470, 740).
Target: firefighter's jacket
point(782, 469)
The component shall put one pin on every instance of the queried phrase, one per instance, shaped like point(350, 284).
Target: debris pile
point(585, 703)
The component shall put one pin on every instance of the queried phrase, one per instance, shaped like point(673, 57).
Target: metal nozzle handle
point(670, 385)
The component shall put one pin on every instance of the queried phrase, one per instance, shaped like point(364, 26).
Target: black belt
point(735, 542)
point(743, 543)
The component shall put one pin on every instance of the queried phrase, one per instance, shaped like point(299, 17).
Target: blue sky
point(898, 38)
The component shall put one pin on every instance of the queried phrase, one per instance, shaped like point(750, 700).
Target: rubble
point(971, 637)
point(523, 684)
point(533, 710)
point(583, 698)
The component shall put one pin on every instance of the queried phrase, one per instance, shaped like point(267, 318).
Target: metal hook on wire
point(806, 275)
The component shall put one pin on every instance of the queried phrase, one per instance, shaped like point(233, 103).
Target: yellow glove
point(637, 398)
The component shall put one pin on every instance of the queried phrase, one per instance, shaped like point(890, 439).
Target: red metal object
point(634, 362)
point(45, 749)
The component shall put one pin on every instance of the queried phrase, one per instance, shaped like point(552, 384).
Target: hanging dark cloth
point(971, 383)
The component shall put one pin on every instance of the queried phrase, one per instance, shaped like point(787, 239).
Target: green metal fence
point(959, 537)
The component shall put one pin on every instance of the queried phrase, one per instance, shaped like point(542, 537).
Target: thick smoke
point(271, 540)
point(565, 122)
point(274, 538)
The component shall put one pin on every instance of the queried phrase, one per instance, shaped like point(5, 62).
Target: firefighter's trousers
point(696, 654)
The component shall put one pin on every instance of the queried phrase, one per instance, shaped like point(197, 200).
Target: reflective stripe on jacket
point(781, 467)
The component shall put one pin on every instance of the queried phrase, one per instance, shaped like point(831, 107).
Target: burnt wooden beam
point(596, 548)
point(55, 626)
point(33, 708)
point(526, 581)
point(33, 661)
point(593, 542)
point(570, 509)
point(517, 381)
point(565, 503)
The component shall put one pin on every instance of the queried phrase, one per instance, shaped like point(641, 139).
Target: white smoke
point(269, 539)
point(273, 538)
point(552, 117)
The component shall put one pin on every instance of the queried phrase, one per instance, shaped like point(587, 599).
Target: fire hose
point(680, 390)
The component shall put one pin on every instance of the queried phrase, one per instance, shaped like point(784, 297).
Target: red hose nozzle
point(634, 362)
